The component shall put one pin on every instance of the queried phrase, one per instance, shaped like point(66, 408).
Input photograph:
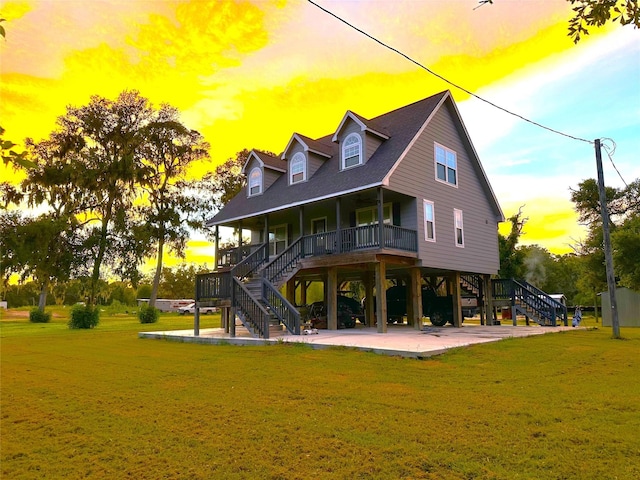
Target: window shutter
point(395, 213)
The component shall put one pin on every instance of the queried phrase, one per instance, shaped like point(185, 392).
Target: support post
point(608, 257)
point(457, 302)
point(266, 234)
point(290, 292)
point(381, 296)
point(415, 283)
point(332, 298)
point(216, 248)
point(488, 299)
point(369, 308)
point(338, 227)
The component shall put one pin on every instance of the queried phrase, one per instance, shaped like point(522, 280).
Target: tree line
point(581, 275)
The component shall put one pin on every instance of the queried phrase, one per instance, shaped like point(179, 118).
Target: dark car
point(349, 310)
point(439, 309)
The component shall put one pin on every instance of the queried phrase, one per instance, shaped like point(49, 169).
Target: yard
point(103, 404)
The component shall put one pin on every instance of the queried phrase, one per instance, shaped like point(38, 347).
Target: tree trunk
point(42, 301)
point(95, 276)
point(156, 277)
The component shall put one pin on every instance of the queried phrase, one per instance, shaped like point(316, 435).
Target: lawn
point(104, 404)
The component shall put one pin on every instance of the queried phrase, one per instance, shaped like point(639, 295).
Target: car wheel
point(438, 319)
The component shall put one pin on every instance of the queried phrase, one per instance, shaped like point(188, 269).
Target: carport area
point(400, 340)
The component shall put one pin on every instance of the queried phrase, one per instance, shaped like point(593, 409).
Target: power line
point(404, 55)
point(610, 155)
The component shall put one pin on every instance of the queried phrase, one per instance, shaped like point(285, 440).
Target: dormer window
point(298, 168)
point(352, 151)
point(255, 181)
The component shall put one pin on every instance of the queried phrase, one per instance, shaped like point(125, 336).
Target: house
point(401, 197)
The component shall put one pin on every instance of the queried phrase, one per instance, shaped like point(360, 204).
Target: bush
point(148, 314)
point(36, 316)
point(84, 317)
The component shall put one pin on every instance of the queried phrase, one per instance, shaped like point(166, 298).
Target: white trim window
point(352, 151)
point(298, 168)
point(429, 221)
point(255, 181)
point(458, 227)
point(446, 165)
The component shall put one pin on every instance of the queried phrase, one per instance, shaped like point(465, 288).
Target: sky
point(248, 74)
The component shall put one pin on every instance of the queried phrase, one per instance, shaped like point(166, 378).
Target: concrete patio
point(400, 340)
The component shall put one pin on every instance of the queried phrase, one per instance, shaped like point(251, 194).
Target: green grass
point(103, 404)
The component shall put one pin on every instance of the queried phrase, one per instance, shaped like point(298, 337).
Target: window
point(297, 168)
point(255, 181)
point(429, 221)
point(369, 216)
point(352, 151)
point(459, 228)
point(446, 165)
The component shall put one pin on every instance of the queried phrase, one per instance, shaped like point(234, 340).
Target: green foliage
point(144, 291)
point(147, 314)
point(596, 13)
point(84, 316)
point(38, 316)
point(512, 258)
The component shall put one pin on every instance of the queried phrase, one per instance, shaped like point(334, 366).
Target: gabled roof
point(371, 126)
point(309, 145)
point(403, 127)
point(266, 161)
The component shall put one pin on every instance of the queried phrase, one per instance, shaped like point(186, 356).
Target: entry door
point(277, 240)
point(320, 247)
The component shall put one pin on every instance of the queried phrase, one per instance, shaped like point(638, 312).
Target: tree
point(597, 13)
point(228, 179)
point(174, 203)
point(104, 138)
point(511, 257)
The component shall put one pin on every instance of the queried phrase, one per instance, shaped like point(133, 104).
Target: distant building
point(628, 303)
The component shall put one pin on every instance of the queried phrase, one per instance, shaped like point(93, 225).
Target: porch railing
point(228, 257)
point(213, 285)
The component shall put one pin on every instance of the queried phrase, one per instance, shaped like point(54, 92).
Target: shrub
point(147, 314)
point(36, 316)
point(84, 316)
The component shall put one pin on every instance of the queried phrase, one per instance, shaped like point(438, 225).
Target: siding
point(415, 176)
point(371, 144)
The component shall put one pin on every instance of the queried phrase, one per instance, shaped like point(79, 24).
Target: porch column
point(369, 308)
point(266, 234)
point(216, 247)
point(415, 282)
point(332, 298)
point(381, 296)
point(481, 299)
point(338, 227)
point(196, 322)
point(239, 255)
point(457, 303)
point(380, 218)
point(301, 222)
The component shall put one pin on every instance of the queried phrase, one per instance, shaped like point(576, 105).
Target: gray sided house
point(399, 199)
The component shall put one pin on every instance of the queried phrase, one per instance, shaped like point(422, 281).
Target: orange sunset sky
point(247, 74)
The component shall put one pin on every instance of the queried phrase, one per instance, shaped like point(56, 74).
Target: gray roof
point(401, 125)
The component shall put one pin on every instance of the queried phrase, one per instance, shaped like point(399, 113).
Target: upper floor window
point(255, 181)
point(297, 168)
point(459, 228)
point(429, 221)
point(446, 165)
point(352, 151)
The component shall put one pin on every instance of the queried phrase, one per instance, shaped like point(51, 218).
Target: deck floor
point(400, 340)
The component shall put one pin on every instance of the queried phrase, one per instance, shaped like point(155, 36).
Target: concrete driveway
point(399, 340)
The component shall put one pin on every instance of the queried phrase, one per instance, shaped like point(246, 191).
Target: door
point(319, 242)
point(277, 240)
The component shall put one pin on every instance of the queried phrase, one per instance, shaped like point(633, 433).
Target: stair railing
point(281, 307)
point(252, 263)
point(277, 268)
point(253, 315)
point(547, 300)
point(472, 283)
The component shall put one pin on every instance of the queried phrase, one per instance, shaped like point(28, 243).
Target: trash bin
point(506, 313)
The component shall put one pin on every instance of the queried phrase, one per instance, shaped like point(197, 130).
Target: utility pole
point(611, 280)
